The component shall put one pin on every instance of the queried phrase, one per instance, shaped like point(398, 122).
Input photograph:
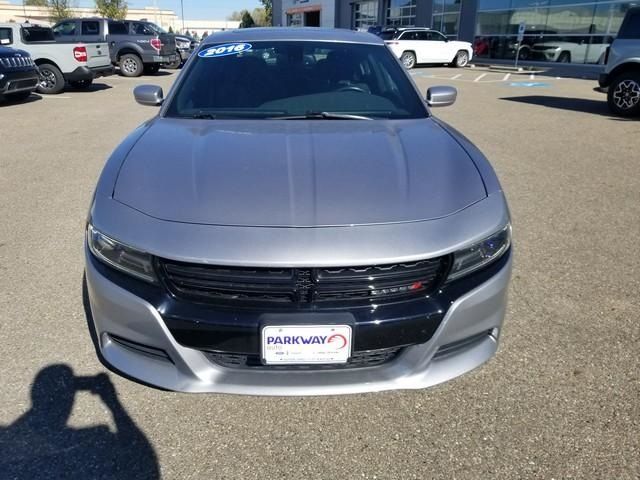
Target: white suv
point(423, 45)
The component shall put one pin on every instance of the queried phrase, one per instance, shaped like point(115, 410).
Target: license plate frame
point(304, 344)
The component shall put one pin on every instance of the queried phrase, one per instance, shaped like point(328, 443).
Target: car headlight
point(480, 254)
point(184, 45)
point(122, 257)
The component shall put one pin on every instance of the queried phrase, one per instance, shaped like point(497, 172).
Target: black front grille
point(22, 84)
point(369, 358)
point(244, 286)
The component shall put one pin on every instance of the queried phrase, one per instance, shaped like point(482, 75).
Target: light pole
point(182, 13)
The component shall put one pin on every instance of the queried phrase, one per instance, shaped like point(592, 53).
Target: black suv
point(19, 76)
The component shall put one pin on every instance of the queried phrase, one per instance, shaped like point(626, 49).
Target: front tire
point(565, 57)
point(130, 65)
point(408, 59)
point(52, 79)
point(461, 59)
point(623, 96)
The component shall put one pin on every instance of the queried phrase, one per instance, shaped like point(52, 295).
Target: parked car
point(621, 74)
point(185, 45)
point(297, 226)
point(19, 75)
point(77, 63)
point(423, 45)
point(564, 51)
point(136, 47)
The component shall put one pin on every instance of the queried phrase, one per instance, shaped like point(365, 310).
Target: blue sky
point(194, 9)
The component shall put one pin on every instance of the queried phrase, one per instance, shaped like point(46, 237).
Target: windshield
point(324, 80)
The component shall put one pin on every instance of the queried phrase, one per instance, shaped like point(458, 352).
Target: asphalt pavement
point(560, 400)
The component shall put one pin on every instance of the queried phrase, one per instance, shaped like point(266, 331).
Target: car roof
point(404, 29)
point(293, 33)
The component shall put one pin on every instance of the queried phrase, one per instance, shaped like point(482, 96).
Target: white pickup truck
point(59, 63)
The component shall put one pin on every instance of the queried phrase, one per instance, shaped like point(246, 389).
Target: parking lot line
point(480, 77)
point(506, 77)
point(455, 77)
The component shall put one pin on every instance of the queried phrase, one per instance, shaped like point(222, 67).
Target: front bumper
point(159, 58)
point(14, 82)
point(136, 339)
point(89, 73)
point(184, 54)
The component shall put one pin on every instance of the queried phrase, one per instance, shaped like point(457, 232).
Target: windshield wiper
point(203, 115)
point(321, 116)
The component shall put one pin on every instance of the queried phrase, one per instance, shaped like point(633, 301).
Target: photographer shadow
point(39, 444)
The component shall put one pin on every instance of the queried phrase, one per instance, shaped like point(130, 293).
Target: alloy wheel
point(408, 60)
point(129, 65)
point(627, 94)
point(48, 79)
point(462, 59)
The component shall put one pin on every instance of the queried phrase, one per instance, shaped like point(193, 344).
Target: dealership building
point(573, 31)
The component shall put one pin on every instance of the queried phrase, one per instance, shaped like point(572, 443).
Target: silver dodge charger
point(295, 221)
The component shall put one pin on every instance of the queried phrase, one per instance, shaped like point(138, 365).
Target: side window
point(423, 35)
point(65, 29)
point(142, 29)
point(438, 37)
point(90, 28)
point(6, 36)
point(631, 27)
point(118, 28)
point(409, 36)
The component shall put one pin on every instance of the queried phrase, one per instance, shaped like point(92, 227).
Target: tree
point(259, 16)
point(205, 34)
point(116, 9)
point(236, 16)
point(170, 29)
point(247, 20)
point(268, 10)
point(36, 3)
point(59, 10)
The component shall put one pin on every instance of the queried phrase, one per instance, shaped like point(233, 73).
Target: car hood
point(297, 173)
point(460, 44)
point(12, 52)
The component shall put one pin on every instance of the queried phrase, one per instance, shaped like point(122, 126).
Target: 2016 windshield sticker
point(224, 50)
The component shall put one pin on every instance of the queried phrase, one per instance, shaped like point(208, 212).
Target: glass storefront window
point(365, 14)
point(568, 31)
point(294, 20)
point(401, 13)
point(446, 16)
point(608, 17)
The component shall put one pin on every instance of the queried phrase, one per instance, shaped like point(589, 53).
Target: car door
point(428, 49)
point(439, 47)
point(408, 42)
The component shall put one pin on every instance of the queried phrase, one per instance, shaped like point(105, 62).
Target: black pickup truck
point(134, 46)
point(19, 75)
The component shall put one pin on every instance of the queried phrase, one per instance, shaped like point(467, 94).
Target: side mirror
point(441, 96)
point(148, 95)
